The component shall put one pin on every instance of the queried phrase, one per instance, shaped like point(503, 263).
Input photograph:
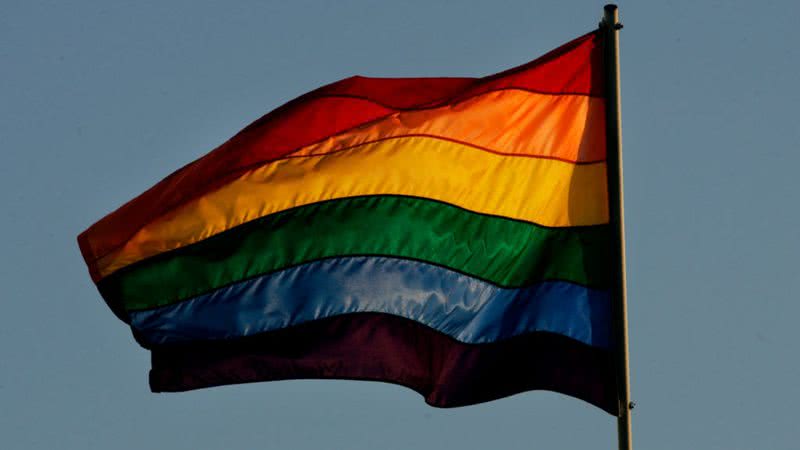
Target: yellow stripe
point(548, 192)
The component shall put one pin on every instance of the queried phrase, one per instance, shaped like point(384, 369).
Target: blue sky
point(101, 99)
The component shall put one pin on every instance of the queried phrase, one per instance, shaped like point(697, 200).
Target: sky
point(101, 99)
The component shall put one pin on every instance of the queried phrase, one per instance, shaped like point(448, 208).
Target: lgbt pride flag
point(446, 234)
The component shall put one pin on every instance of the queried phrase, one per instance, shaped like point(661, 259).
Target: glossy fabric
point(462, 307)
point(380, 347)
point(504, 252)
point(569, 128)
point(542, 191)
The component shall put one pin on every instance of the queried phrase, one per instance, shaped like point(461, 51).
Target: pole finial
point(611, 17)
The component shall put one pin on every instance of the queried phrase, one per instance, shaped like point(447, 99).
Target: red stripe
point(381, 347)
point(573, 68)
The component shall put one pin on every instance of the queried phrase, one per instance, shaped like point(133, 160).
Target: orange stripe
point(511, 122)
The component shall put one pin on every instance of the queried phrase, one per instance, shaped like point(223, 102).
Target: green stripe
point(502, 251)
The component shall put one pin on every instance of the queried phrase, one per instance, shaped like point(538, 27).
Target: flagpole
point(611, 27)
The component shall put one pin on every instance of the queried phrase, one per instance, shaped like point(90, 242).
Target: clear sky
point(101, 99)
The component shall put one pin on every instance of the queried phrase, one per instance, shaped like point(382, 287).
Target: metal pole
point(611, 27)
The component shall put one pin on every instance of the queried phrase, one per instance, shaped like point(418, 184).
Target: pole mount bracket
point(617, 26)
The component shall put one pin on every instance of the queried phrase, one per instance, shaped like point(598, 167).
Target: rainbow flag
point(446, 234)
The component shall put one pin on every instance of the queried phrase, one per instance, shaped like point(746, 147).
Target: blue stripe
point(465, 308)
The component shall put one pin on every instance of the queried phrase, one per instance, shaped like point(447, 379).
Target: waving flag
point(446, 234)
